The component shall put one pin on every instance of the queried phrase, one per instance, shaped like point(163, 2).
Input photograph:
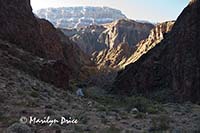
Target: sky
point(150, 10)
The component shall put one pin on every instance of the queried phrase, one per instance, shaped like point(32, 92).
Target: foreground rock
point(19, 26)
point(51, 71)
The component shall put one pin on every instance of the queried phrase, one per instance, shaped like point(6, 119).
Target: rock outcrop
point(77, 17)
point(171, 69)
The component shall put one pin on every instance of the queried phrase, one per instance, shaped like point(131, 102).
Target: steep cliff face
point(113, 58)
point(100, 37)
point(125, 31)
point(172, 67)
point(87, 38)
point(52, 45)
point(77, 17)
point(110, 45)
point(124, 54)
point(156, 36)
point(20, 27)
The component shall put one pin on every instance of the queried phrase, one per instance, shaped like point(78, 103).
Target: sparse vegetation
point(34, 94)
point(160, 123)
point(140, 115)
point(112, 129)
point(143, 105)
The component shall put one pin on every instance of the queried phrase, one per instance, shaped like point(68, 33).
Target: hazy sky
point(151, 10)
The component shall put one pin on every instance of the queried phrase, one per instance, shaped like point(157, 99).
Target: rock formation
point(87, 38)
point(110, 45)
point(171, 69)
point(20, 27)
point(100, 37)
point(156, 36)
point(113, 58)
point(124, 54)
point(77, 17)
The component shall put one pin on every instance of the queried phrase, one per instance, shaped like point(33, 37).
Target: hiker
point(79, 91)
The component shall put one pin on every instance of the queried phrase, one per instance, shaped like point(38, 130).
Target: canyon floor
point(23, 95)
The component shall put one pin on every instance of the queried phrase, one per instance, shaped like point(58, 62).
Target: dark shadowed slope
point(172, 68)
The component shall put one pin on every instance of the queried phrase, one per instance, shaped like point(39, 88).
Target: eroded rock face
point(125, 31)
point(121, 38)
point(111, 44)
point(124, 54)
point(157, 34)
point(87, 38)
point(172, 67)
point(100, 37)
point(113, 58)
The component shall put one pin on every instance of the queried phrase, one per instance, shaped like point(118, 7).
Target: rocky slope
point(157, 34)
point(76, 17)
point(38, 36)
point(171, 69)
point(24, 95)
